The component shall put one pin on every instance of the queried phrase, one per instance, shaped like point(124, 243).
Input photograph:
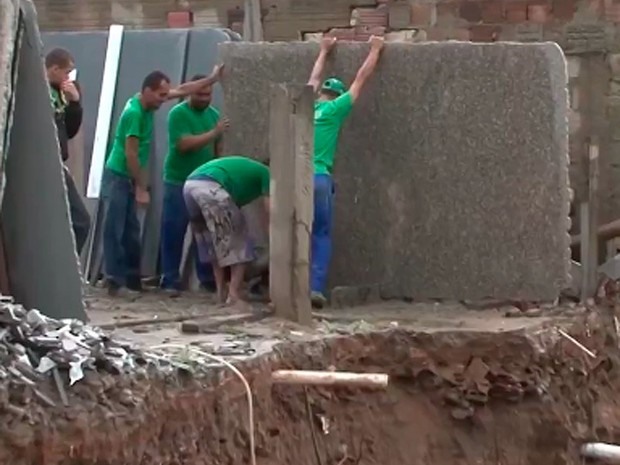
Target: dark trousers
point(321, 232)
point(121, 230)
point(174, 221)
point(80, 219)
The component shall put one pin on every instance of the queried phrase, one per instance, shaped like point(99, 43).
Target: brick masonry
point(587, 30)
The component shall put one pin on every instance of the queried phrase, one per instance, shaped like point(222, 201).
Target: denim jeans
point(321, 231)
point(121, 230)
point(174, 223)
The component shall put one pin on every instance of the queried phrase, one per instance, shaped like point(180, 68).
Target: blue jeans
point(321, 231)
point(174, 223)
point(121, 230)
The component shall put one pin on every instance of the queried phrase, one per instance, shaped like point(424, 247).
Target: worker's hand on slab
point(222, 126)
point(142, 196)
point(218, 72)
point(328, 43)
point(376, 43)
point(70, 91)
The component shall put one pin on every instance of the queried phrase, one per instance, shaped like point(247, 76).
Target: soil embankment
point(456, 397)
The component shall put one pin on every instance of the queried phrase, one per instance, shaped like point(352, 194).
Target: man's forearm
point(369, 65)
point(133, 166)
point(188, 88)
point(190, 143)
point(317, 70)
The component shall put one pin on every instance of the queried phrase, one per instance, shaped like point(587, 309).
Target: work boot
point(115, 290)
point(318, 299)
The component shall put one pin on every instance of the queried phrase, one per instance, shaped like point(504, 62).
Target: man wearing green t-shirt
point(194, 138)
point(214, 194)
point(124, 182)
point(331, 109)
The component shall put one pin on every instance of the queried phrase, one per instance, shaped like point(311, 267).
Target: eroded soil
point(465, 388)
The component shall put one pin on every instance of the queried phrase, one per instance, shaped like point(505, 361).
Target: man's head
point(201, 99)
point(59, 63)
point(155, 89)
point(332, 88)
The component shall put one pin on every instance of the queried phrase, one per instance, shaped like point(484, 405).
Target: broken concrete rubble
point(452, 172)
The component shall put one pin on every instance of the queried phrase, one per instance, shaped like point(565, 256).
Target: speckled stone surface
point(452, 171)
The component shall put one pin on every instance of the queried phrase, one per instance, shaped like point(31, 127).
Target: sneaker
point(172, 292)
point(318, 299)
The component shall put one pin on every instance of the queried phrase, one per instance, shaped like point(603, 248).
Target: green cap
point(334, 85)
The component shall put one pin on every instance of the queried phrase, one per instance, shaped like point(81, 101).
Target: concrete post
point(252, 24)
point(291, 145)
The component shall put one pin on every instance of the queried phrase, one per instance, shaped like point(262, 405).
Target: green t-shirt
point(243, 178)
point(183, 120)
point(135, 121)
point(329, 115)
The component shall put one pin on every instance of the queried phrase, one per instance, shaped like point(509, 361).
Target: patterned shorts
point(217, 223)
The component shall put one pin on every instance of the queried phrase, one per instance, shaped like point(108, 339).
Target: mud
point(457, 396)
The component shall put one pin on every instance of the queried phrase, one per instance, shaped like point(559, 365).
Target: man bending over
point(214, 195)
point(331, 109)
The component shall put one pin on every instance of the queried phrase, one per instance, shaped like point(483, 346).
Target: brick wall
point(587, 30)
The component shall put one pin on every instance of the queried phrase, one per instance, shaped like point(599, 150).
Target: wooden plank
point(589, 223)
point(291, 146)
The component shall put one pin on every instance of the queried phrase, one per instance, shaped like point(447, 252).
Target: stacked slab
point(452, 171)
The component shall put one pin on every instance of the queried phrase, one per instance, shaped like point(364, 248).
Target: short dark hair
point(58, 57)
point(154, 79)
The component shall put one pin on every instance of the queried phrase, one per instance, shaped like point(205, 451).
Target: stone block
point(452, 170)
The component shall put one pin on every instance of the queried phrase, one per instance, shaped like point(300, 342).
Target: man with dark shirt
point(68, 117)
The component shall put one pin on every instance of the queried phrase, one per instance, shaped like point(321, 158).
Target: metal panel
point(39, 244)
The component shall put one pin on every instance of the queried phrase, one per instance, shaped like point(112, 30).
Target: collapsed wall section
point(452, 171)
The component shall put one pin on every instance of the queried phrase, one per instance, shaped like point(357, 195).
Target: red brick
point(493, 12)
point(369, 17)
point(363, 33)
point(437, 34)
point(612, 11)
point(342, 33)
point(471, 11)
point(180, 19)
point(484, 33)
point(597, 7)
point(447, 9)
point(538, 14)
point(515, 11)
point(421, 14)
point(461, 34)
point(564, 9)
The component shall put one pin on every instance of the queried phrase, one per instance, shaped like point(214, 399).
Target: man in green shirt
point(214, 194)
point(125, 178)
point(331, 109)
point(194, 138)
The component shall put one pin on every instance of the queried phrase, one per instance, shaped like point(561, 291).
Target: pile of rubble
point(36, 350)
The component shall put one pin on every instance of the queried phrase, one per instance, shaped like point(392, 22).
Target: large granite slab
point(452, 171)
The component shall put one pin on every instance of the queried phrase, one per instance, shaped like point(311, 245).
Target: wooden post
point(589, 223)
point(291, 146)
point(252, 24)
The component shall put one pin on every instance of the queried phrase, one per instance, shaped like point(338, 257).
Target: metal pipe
point(600, 450)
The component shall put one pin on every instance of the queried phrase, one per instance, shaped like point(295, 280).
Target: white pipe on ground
point(330, 378)
point(600, 450)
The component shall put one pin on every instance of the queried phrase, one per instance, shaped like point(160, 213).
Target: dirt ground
point(466, 387)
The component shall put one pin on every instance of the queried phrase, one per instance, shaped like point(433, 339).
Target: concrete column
point(291, 145)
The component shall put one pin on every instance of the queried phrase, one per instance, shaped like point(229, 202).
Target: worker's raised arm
point(366, 70)
point(327, 44)
point(188, 88)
